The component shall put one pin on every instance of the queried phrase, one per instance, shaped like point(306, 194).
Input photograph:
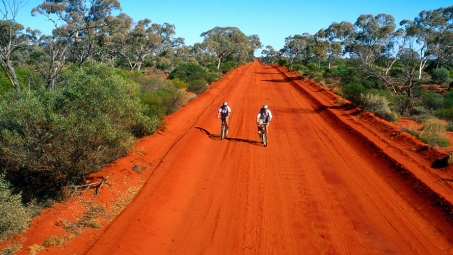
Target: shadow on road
point(217, 137)
point(287, 79)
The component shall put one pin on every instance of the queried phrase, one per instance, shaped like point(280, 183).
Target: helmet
point(265, 107)
point(225, 103)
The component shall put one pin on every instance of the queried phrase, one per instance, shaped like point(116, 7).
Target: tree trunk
point(14, 80)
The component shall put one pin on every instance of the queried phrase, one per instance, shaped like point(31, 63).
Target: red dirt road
point(331, 181)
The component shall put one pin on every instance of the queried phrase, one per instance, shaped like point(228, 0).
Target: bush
point(433, 132)
point(444, 113)
point(312, 66)
point(197, 86)
point(163, 102)
point(378, 105)
point(347, 75)
point(440, 75)
point(23, 77)
point(353, 91)
point(149, 83)
point(227, 66)
point(179, 84)
point(298, 67)
point(68, 133)
point(282, 62)
point(396, 71)
point(14, 216)
point(448, 100)
point(432, 101)
point(191, 71)
point(449, 127)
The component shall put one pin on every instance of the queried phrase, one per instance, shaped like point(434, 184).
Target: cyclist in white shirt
point(224, 112)
point(264, 117)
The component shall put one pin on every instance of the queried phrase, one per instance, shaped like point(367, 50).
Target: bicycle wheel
point(222, 132)
point(264, 139)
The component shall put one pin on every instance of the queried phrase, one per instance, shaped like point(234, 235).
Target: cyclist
point(224, 112)
point(264, 117)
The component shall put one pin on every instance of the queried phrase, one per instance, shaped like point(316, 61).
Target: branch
point(96, 185)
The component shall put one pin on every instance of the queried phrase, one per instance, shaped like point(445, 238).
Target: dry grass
point(54, 241)
point(35, 249)
point(434, 132)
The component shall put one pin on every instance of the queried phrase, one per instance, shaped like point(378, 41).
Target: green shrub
point(163, 101)
point(347, 75)
point(179, 84)
point(197, 86)
point(440, 75)
point(432, 101)
point(318, 79)
point(312, 66)
point(413, 132)
point(444, 113)
point(396, 71)
point(14, 216)
point(149, 83)
point(282, 62)
point(191, 71)
point(23, 77)
point(330, 73)
point(228, 66)
point(68, 133)
point(155, 83)
point(163, 63)
point(148, 63)
point(448, 100)
point(352, 92)
point(298, 67)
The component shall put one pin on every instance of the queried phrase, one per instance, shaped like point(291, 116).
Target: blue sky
point(272, 21)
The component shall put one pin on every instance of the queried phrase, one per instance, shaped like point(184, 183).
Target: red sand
point(332, 181)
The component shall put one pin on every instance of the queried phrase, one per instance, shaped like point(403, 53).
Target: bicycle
point(262, 127)
point(223, 129)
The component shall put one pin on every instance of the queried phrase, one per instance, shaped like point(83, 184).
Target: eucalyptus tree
point(394, 46)
point(147, 40)
point(433, 32)
point(50, 58)
point(221, 42)
point(421, 39)
point(184, 53)
point(298, 47)
point(319, 49)
point(434, 29)
point(166, 52)
point(80, 22)
point(203, 54)
point(337, 36)
point(370, 34)
point(11, 37)
point(140, 42)
point(255, 43)
point(270, 54)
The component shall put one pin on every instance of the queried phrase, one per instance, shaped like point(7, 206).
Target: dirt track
point(320, 187)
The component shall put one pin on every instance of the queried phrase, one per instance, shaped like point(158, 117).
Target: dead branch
point(85, 187)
